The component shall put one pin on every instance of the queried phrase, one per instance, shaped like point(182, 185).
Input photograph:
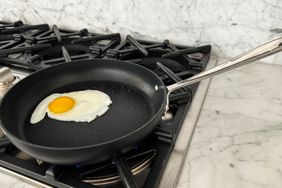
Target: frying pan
point(139, 99)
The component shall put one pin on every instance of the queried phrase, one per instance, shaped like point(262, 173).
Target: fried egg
point(78, 106)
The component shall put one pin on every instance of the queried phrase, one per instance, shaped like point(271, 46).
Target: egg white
point(89, 104)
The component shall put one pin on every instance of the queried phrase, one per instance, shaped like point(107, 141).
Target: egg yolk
point(61, 104)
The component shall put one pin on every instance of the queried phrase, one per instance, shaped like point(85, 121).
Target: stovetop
point(28, 48)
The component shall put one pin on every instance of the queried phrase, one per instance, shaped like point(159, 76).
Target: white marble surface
point(11, 182)
point(237, 141)
point(230, 26)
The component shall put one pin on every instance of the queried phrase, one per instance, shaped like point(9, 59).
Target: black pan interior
point(131, 89)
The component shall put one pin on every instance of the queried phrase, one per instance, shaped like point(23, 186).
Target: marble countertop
point(237, 140)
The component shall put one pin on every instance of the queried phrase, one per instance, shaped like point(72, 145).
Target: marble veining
point(230, 26)
point(237, 140)
point(11, 182)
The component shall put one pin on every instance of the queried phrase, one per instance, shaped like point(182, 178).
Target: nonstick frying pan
point(139, 99)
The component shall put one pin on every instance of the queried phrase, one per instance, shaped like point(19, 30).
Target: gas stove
point(25, 49)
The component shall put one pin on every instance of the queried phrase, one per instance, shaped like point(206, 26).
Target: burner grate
point(35, 47)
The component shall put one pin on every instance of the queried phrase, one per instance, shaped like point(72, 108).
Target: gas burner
point(174, 57)
point(41, 47)
point(106, 174)
point(27, 48)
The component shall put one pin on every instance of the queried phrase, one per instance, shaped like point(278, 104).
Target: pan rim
point(162, 108)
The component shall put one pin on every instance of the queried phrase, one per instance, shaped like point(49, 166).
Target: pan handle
point(260, 52)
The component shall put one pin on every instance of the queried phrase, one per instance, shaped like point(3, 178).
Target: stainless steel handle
point(260, 52)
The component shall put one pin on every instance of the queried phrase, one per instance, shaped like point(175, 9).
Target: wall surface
point(230, 26)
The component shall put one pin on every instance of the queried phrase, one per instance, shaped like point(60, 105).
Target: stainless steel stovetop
point(25, 49)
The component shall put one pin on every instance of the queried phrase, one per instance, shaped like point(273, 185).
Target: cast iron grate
point(39, 46)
